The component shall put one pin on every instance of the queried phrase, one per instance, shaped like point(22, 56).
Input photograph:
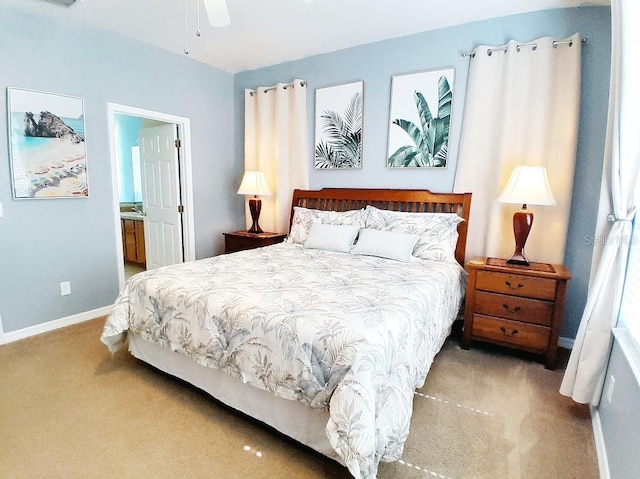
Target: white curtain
point(521, 108)
point(585, 372)
point(276, 144)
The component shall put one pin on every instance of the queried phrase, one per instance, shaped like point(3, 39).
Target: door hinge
point(180, 209)
point(178, 143)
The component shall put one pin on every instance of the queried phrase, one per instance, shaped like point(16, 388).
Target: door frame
point(186, 178)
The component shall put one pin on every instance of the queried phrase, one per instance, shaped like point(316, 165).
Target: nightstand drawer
point(516, 284)
point(243, 243)
point(522, 335)
point(514, 307)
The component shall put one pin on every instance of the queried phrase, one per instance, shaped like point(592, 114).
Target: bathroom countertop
point(130, 215)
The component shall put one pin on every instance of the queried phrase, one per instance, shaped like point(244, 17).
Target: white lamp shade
point(254, 183)
point(528, 185)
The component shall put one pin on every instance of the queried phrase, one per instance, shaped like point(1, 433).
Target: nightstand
point(241, 240)
point(516, 306)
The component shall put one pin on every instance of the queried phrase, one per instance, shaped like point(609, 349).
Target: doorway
point(153, 194)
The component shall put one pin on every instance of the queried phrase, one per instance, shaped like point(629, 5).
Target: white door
point(161, 195)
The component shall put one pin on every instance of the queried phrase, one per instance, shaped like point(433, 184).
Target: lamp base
point(522, 221)
point(519, 259)
point(255, 205)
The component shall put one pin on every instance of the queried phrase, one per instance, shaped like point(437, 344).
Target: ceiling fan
point(217, 12)
point(66, 3)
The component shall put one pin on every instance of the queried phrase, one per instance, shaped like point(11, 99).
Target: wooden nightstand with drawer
point(242, 240)
point(516, 306)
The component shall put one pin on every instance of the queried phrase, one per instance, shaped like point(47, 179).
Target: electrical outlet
point(612, 383)
point(65, 288)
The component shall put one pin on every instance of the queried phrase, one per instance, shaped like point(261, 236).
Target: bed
point(324, 337)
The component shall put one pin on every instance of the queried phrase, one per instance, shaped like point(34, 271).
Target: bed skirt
point(292, 418)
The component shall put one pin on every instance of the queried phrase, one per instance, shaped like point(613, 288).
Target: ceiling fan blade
point(217, 12)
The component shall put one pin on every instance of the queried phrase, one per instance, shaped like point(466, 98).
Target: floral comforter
point(353, 334)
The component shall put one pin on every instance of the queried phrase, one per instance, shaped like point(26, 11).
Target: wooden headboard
point(417, 201)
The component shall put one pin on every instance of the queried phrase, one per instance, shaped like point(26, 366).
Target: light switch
point(65, 288)
point(1, 210)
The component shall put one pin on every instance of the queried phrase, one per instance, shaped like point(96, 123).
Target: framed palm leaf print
point(419, 119)
point(338, 126)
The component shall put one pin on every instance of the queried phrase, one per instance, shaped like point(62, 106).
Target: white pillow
point(385, 244)
point(438, 231)
point(303, 218)
point(331, 237)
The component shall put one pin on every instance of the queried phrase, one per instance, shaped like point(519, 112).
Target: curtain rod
point(520, 45)
point(302, 83)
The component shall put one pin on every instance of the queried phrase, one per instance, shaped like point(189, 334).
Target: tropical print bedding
point(352, 334)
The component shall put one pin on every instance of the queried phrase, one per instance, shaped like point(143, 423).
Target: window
point(630, 308)
point(137, 179)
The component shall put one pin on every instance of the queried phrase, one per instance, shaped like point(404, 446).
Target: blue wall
point(619, 417)
point(45, 242)
point(376, 63)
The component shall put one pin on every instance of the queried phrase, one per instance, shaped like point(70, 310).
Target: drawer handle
point(512, 333)
point(512, 311)
point(508, 283)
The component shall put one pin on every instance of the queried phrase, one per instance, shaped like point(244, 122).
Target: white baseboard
point(601, 451)
point(12, 336)
point(5, 338)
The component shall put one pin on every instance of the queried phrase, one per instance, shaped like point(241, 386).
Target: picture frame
point(419, 119)
point(47, 148)
point(339, 113)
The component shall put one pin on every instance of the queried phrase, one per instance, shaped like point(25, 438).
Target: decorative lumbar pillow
point(331, 237)
point(303, 218)
point(385, 244)
point(438, 232)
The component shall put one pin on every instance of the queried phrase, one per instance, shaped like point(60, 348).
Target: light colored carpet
point(70, 410)
point(131, 269)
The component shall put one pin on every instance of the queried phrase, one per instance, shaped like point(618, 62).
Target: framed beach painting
point(47, 148)
point(419, 119)
point(338, 126)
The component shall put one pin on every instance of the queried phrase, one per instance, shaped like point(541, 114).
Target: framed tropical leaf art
point(338, 126)
point(419, 119)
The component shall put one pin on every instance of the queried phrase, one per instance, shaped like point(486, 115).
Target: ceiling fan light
point(66, 3)
point(217, 12)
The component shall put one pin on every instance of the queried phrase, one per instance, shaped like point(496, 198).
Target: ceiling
point(268, 32)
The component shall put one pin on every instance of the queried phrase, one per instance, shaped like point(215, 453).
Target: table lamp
point(254, 183)
point(527, 185)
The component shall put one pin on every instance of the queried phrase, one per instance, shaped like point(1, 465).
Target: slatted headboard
point(420, 201)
